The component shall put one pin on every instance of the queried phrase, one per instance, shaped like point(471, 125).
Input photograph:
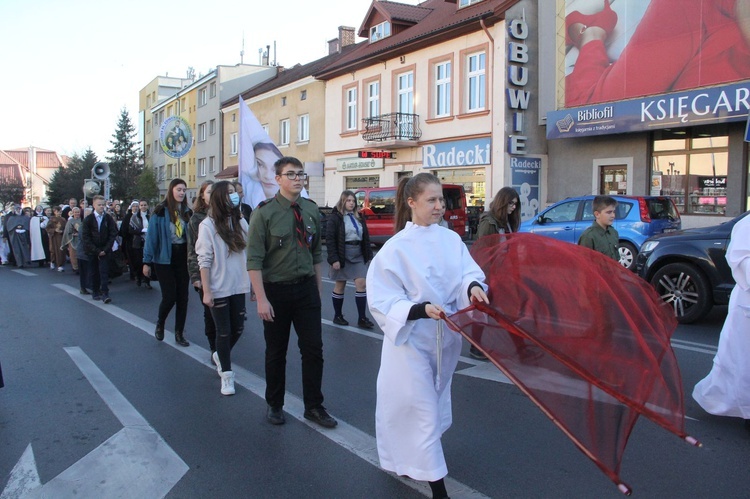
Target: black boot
point(180, 339)
point(159, 333)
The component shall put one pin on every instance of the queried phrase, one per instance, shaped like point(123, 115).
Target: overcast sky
point(69, 66)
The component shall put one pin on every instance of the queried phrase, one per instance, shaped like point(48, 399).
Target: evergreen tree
point(68, 182)
point(147, 186)
point(11, 192)
point(124, 160)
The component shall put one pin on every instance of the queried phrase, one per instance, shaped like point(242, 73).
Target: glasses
point(295, 175)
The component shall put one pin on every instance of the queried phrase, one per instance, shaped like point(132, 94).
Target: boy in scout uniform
point(283, 259)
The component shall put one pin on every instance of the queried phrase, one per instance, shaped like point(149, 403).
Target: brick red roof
point(394, 12)
point(45, 158)
point(441, 20)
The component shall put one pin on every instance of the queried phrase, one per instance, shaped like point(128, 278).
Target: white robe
point(418, 264)
point(726, 389)
point(35, 235)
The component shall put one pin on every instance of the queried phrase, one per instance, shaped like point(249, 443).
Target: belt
point(290, 283)
point(354, 243)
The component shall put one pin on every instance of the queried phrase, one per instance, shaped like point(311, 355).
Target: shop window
point(690, 165)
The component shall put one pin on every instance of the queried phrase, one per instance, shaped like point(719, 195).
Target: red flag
point(587, 340)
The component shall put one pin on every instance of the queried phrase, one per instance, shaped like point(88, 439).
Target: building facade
point(197, 101)
point(422, 93)
point(653, 104)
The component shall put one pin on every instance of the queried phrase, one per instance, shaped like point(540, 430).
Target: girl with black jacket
point(349, 252)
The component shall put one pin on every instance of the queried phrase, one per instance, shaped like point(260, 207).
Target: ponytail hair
point(410, 187)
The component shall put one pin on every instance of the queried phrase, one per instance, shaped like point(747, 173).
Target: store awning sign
point(703, 106)
point(468, 152)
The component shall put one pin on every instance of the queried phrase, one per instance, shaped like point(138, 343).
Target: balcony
point(394, 127)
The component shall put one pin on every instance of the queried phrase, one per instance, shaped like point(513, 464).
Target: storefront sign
point(525, 177)
point(470, 152)
point(703, 106)
point(349, 164)
point(518, 76)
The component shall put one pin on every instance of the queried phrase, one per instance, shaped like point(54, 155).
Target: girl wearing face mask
point(166, 248)
point(223, 269)
point(200, 212)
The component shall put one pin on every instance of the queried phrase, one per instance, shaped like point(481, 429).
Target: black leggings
point(174, 282)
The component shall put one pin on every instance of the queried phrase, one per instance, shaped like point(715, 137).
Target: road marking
point(134, 462)
point(24, 272)
point(347, 436)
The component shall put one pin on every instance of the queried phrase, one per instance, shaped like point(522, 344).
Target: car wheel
point(684, 288)
point(628, 255)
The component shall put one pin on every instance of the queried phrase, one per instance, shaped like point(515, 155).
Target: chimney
point(346, 37)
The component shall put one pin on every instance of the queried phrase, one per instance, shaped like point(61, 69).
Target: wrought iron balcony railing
point(393, 126)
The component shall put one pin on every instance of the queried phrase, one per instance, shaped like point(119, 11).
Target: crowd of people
point(226, 251)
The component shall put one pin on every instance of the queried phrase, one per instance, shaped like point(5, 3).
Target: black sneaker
point(159, 332)
point(275, 415)
point(96, 296)
point(106, 299)
point(365, 323)
point(84, 291)
point(320, 416)
point(339, 319)
point(475, 353)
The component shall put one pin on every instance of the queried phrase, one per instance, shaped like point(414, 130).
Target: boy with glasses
point(283, 259)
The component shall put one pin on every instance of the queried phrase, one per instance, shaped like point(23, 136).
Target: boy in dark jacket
point(99, 231)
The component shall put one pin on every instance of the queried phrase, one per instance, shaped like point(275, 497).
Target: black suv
point(689, 269)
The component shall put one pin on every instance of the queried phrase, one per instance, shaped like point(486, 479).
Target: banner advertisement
point(525, 178)
point(622, 50)
point(175, 137)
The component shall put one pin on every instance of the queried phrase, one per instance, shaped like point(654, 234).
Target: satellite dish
point(100, 171)
point(91, 188)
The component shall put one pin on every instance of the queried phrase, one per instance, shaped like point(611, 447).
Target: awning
point(229, 172)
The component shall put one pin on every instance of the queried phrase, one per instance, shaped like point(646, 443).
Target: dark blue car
point(637, 218)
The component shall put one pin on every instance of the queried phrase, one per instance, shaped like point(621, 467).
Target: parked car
point(378, 206)
point(636, 219)
point(689, 269)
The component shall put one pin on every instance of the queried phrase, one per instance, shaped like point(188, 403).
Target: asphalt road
point(95, 407)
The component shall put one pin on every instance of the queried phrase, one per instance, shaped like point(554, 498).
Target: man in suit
point(99, 231)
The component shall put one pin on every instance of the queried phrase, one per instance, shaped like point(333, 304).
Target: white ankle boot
point(227, 382)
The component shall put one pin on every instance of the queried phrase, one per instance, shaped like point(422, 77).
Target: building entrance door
point(613, 180)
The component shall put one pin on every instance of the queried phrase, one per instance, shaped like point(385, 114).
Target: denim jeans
point(297, 304)
point(229, 317)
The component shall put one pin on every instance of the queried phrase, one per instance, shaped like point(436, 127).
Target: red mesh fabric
point(587, 340)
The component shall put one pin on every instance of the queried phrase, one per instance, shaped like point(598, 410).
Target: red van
point(378, 206)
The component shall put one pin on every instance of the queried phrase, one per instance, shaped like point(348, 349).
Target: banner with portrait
point(175, 137)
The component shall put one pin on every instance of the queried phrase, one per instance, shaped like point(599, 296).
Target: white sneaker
point(60, 269)
point(227, 383)
point(52, 266)
point(215, 357)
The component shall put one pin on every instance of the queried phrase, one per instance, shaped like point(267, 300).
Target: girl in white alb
point(422, 271)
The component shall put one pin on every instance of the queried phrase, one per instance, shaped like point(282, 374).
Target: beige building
point(197, 101)
point(33, 167)
point(292, 109)
point(420, 88)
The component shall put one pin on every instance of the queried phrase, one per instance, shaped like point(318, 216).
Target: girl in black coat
point(349, 252)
